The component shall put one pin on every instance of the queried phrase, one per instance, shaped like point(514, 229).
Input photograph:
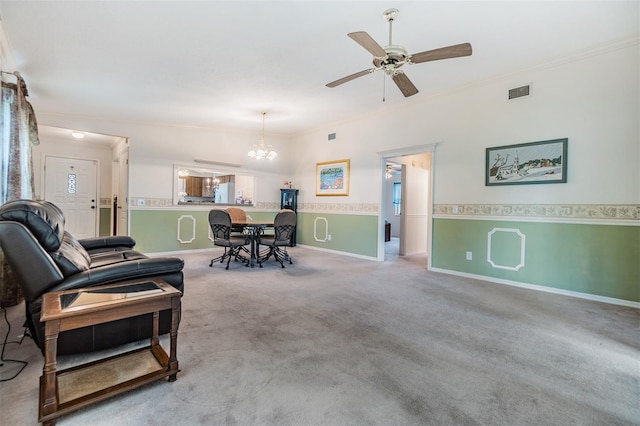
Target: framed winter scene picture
point(527, 163)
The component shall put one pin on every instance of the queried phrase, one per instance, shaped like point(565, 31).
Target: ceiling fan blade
point(404, 84)
point(454, 51)
point(350, 77)
point(365, 40)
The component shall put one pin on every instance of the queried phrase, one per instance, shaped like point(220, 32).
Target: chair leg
point(287, 257)
point(231, 254)
point(265, 257)
point(283, 255)
point(278, 256)
point(220, 258)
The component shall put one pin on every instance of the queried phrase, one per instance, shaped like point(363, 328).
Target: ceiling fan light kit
point(390, 58)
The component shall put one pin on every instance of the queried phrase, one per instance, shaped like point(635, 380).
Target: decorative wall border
point(563, 211)
point(339, 207)
point(549, 211)
point(367, 208)
point(150, 202)
point(267, 206)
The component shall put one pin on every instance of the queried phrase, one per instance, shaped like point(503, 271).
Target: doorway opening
point(80, 174)
point(392, 208)
point(406, 202)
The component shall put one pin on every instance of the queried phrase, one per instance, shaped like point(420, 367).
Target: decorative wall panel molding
point(325, 233)
point(564, 211)
point(186, 226)
point(491, 245)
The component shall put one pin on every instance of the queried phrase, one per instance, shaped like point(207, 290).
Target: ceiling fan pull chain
point(384, 87)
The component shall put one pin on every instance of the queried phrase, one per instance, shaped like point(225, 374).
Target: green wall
point(601, 260)
point(356, 234)
point(105, 222)
point(595, 259)
point(157, 230)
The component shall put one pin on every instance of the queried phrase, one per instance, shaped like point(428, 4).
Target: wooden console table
point(62, 392)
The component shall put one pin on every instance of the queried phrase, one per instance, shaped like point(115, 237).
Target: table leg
point(253, 250)
point(155, 341)
point(173, 349)
point(49, 383)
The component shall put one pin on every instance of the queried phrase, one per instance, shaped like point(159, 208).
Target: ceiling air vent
point(332, 136)
point(519, 92)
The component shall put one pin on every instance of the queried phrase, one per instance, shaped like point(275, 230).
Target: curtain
point(19, 131)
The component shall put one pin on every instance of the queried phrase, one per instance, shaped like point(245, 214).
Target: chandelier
point(211, 184)
point(260, 151)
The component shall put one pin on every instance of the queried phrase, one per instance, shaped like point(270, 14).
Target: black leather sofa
point(44, 258)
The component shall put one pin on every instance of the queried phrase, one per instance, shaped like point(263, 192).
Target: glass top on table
point(91, 296)
point(252, 222)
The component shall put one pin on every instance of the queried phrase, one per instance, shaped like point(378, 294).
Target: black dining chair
point(284, 225)
point(220, 223)
point(238, 216)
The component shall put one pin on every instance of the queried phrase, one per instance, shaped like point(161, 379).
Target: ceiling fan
point(390, 58)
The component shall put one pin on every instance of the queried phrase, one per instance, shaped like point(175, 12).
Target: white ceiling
point(58, 134)
point(220, 63)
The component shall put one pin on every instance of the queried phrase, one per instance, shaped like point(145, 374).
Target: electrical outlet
point(328, 237)
point(469, 255)
point(140, 202)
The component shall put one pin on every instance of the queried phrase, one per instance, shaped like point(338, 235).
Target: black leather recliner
point(45, 258)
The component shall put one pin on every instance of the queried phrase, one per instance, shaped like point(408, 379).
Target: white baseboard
point(174, 253)
point(342, 253)
point(570, 293)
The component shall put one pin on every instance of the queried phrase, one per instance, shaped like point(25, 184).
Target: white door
point(72, 185)
point(123, 193)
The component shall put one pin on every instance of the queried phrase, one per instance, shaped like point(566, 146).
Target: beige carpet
point(333, 340)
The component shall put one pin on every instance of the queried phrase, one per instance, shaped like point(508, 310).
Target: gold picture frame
point(332, 178)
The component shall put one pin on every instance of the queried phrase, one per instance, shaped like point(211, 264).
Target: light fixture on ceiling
point(387, 174)
point(260, 151)
point(77, 135)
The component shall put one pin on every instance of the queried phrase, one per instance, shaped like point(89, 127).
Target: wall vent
point(332, 136)
point(519, 92)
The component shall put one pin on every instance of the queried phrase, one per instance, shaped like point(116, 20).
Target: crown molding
point(6, 58)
